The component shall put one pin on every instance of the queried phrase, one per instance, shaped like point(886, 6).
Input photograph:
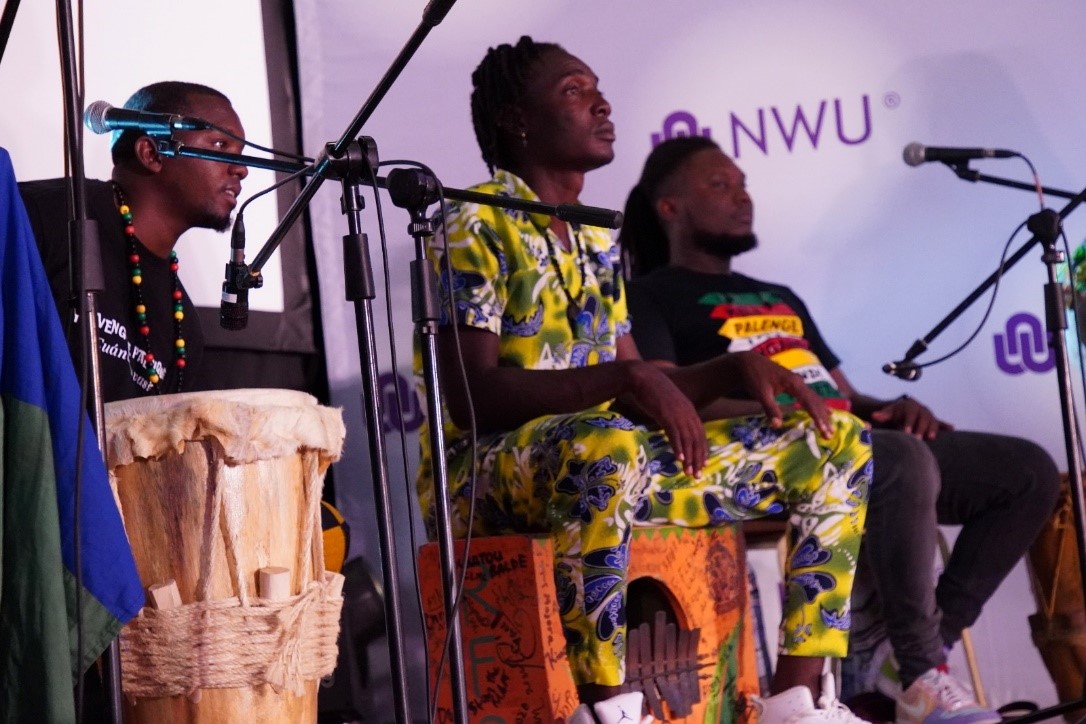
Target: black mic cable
point(906, 368)
point(909, 370)
point(234, 307)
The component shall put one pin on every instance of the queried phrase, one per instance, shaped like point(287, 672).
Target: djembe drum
point(220, 496)
point(1059, 626)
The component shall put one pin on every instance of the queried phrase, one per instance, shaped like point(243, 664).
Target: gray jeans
point(1000, 489)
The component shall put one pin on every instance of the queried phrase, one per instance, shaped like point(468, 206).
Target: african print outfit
point(587, 478)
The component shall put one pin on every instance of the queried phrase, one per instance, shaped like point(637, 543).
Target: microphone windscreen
point(234, 316)
point(94, 118)
point(914, 154)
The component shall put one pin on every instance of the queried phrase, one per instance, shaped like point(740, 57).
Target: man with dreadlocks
point(580, 438)
point(686, 219)
point(150, 337)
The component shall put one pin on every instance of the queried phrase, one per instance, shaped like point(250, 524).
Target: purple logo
point(1023, 346)
point(830, 121)
point(411, 413)
point(679, 125)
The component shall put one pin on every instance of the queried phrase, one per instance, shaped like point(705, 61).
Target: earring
point(523, 138)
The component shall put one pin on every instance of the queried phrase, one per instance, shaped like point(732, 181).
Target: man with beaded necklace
point(150, 338)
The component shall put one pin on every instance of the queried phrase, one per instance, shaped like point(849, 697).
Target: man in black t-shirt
point(689, 215)
point(150, 341)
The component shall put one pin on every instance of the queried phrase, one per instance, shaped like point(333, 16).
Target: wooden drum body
point(220, 495)
point(1059, 626)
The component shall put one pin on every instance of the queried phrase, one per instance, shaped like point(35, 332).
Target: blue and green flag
point(39, 420)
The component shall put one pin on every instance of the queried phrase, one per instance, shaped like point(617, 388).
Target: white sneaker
point(796, 706)
point(622, 709)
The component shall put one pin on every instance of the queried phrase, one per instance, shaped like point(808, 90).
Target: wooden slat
point(649, 671)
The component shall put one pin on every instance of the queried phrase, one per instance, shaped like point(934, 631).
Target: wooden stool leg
point(765, 663)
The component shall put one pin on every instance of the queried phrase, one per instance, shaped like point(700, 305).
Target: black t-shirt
point(686, 317)
point(122, 355)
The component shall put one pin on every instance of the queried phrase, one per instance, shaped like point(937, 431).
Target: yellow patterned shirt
point(551, 308)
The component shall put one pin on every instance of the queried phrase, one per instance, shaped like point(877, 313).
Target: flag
point(39, 421)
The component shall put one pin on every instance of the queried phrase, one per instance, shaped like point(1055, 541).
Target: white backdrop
point(879, 250)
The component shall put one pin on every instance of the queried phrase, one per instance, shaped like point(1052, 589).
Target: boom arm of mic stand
point(173, 147)
point(924, 342)
point(964, 172)
point(587, 215)
point(576, 213)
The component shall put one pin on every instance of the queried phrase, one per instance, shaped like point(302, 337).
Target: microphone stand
point(1045, 226)
point(88, 282)
point(906, 368)
point(7, 20)
point(354, 251)
point(415, 192)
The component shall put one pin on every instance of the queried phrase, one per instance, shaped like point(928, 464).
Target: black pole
point(1046, 225)
point(83, 240)
point(7, 21)
point(415, 190)
point(359, 289)
point(964, 172)
point(575, 213)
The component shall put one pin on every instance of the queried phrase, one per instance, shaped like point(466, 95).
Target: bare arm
point(904, 413)
point(506, 397)
point(706, 382)
point(721, 408)
point(724, 407)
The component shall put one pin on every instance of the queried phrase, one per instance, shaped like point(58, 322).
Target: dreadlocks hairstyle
point(498, 84)
point(642, 238)
point(171, 96)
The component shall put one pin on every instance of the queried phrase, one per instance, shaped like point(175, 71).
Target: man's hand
point(764, 379)
point(660, 399)
point(909, 416)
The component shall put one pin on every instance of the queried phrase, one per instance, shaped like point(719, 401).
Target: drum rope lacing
point(242, 641)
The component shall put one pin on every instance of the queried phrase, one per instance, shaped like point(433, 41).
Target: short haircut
point(498, 83)
point(171, 96)
point(642, 237)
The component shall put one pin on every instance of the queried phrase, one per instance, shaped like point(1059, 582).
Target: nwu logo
point(411, 414)
point(1023, 346)
point(679, 125)
point(831, 121)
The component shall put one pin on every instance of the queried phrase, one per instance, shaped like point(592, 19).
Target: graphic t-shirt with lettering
point(684, 317)
point(122, 357)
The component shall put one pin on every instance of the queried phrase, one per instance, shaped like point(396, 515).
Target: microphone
point(101, 117)
point(436, 10)
point(903, 370)
point(917, 153)
point(234, 307)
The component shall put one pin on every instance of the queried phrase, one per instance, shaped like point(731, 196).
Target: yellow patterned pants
point(587, 478)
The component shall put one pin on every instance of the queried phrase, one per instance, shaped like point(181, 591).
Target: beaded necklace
point(573, 306)
point(140, 307)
